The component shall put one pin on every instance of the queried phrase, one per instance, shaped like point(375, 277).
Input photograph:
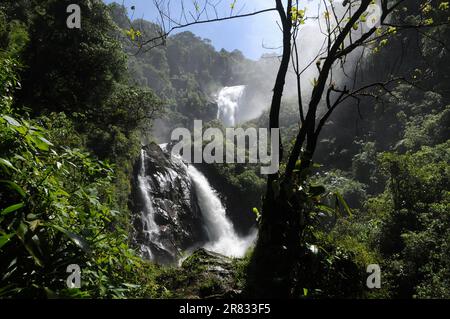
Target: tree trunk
point(271, 268)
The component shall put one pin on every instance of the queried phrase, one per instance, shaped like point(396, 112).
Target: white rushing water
point(222, 236)
point(228, 104)
point(150, 228)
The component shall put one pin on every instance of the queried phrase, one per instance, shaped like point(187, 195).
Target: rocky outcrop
point(175, 209)
point(204, 275)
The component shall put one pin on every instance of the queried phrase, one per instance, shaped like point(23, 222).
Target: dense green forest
point(77, 106)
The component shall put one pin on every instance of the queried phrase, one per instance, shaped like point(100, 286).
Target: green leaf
point(6, 290)
point(20, 129)
point(41, 143)
point(12, 208)
point(61, 192)
point(7, 163)
point(257, 214)
point(15, 187)
point(19, 157)
point(11, 121)
point(131, 286)
point(77, 239)
point(45, 141)
point(32, 217)
point(325, 208)
point(344, 203)
point(4, 239)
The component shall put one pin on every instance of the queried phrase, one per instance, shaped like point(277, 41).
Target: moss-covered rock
point(204, 274)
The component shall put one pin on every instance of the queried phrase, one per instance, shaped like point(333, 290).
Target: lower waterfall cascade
point(221, 236)
point(221, 233)
point(147, 215)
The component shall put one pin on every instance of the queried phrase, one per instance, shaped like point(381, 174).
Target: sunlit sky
point(251, 35)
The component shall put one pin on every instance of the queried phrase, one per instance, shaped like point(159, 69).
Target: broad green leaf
point(21, 129)
point(4, 239)
point(12, 208)
point(45, 141)
point(39, 143)
point(7, 163)
point(19, 157)
point(11, 120)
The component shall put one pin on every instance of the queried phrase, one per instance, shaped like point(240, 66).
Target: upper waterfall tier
point(228, 103)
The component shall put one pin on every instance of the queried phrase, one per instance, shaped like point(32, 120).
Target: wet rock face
point(176, 212)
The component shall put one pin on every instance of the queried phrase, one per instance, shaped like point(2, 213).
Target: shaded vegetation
point(65, 170)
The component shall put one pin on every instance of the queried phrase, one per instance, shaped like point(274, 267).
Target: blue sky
point(247, 34)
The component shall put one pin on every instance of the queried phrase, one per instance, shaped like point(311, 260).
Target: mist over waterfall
point(228, 104)
point(222, 236)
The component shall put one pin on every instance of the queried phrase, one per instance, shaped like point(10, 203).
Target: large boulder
point(204, 275)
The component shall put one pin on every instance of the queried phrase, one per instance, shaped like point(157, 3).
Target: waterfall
point(228, 104)
point(222, 236)
point(149, 226)
point(178, 201)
